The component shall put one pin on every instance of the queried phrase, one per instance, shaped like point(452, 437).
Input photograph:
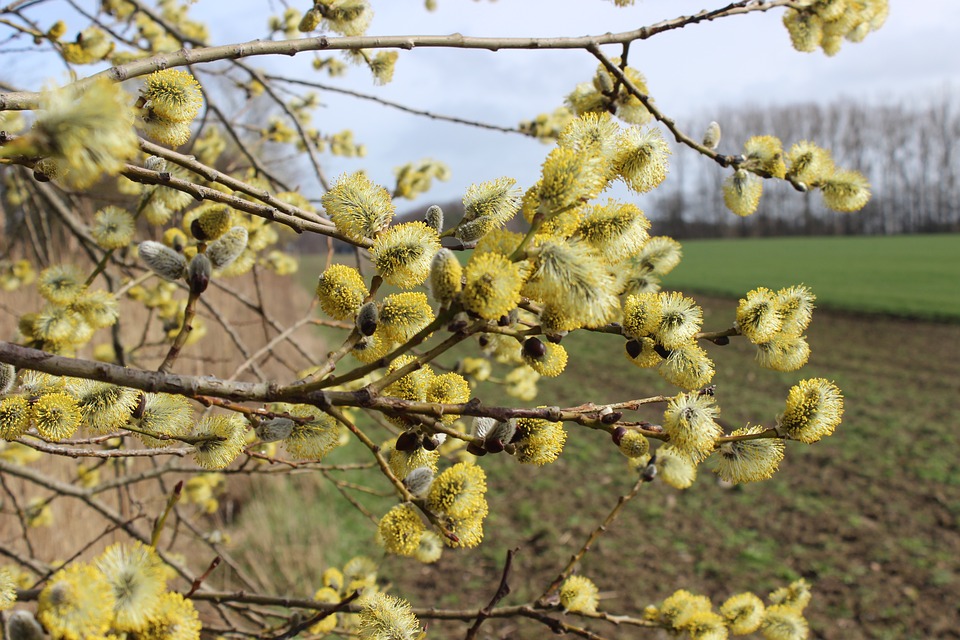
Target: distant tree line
point(907, 149)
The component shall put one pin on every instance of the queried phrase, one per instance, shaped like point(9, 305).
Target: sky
point(743, 59)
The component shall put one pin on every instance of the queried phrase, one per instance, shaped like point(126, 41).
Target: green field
point(911, 276)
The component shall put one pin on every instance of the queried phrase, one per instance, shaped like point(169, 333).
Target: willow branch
point(268, 391)
point(397, 105)
point(209, 173)
point(29, 100)
point(145, 176)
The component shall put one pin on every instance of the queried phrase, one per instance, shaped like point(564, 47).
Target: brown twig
point(503, 590)
point(195, 585)
point(594, 535)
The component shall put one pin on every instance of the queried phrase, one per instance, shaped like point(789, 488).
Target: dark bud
point(617, 435)
point(484, 341)
point(493, 445)
point(141, 404)
point(198, 231)
point(457, 326)
point(534, 348)
point(611, 418)
point(476, 449)
point(555, 338)
point(198, 273)
point(408, 441)
point(368, 318)
point(663, 353)
point(634, 348)
point(722, 341)
point(40, 176)
point(650, 471)
point(430, 443)
point(503, 321)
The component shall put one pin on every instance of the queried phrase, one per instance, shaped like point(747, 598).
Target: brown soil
point(869, 516)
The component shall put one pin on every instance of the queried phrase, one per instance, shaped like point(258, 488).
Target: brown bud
point(198, 231)
point(722, 341)
point(493, 445)
point(534, 348)
point(634, 348)
point(617, 435)
point(476, 449)
point(611, 418)
point(141, 404)
point(408, 441)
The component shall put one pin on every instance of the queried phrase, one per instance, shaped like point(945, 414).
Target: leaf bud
point(7, 376)
point(198, 273)
point(408, 441)
point(368, 318)
point(21, 625)
point(501, 432)
point(468, 232)
point(445, 276)
point(434, 218)
point(603, 82)
point(227, 247)
point(650, 471)
point(711, 138)
point(534, 348)
point(482, 426)
point(155, 163)
point(611, 417)
point(418, 481)
point(274, 429)
point(162, 260)
point(634, 348)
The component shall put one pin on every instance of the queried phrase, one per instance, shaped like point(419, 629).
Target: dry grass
point(235, 331)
